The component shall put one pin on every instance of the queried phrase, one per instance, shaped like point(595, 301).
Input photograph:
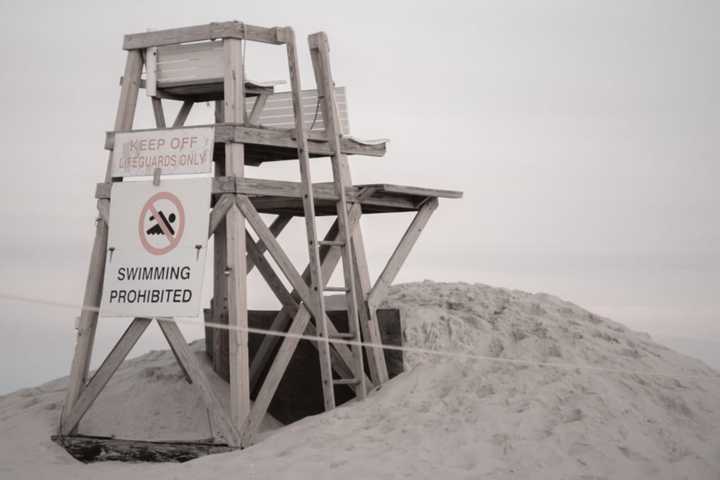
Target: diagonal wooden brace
point(277, 226)
point(274, 376)
point(301, 289)
point(329, 260)
point(189, 363)
point(398, 257)
point(102, 376)
point(219, 211)
point(183, 114)
point(258, 259)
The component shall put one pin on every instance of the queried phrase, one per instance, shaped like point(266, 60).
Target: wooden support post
point(158, 112)
point(151, 71)
point(189, 363)
point(379, 291)
point(72, 417)
point(235, 267)
point(320, 54)
point(369, 322)
point(219, 300)
point(93, 286)
point(104, 211)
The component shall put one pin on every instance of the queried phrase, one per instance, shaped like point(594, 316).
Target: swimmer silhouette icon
point(167, 222)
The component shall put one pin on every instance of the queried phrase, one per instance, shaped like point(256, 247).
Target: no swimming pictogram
point(157, 239)
point(161, 223)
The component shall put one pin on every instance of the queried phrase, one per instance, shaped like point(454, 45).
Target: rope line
point(419, 350)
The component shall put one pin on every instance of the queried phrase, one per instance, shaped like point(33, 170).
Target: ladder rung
point(346, 381)
point(336, 289)
point(342, 335)
point(331, 243)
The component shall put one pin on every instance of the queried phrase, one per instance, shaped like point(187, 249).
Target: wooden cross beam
point(330, 257)
point(188, 363)
point(301, 290)
point(301, 316)
point(112, 362)
point(183, 114)
point(235, 267)
point(300, 324)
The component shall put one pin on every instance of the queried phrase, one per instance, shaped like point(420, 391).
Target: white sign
point(174, 151)
point(156, 248)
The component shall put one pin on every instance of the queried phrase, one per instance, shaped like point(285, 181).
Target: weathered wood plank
point(271, 137)
point(151, 64)
point(183, 114)
point(257, 109)
point(276, 227)
point(219, 301)
point(203, 91)
point(90, 449)
point(190, 64)
point(234, 107)
point(189, 362)
point(219, 211)
point(198, 33)
point(317, 145)
point(267, 194)
point(416, 191)
point(103, 207)
point(102, 376)
point(158, 112)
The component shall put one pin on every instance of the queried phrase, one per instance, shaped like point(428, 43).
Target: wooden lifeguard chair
point(255, 124)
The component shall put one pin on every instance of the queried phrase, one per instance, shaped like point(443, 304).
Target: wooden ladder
point(343, 241)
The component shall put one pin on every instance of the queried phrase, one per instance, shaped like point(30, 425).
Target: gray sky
point(585, 136)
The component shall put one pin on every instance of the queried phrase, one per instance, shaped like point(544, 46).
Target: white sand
point(444, 418)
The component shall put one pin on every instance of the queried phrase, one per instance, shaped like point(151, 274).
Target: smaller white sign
point(156, 248)
point(174, 151)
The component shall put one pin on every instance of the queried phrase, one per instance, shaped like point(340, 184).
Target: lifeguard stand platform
point(254, 125)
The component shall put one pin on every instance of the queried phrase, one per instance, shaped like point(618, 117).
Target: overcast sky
point(585, 136)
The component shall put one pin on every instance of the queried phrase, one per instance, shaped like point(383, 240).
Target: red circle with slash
point(168, 226)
